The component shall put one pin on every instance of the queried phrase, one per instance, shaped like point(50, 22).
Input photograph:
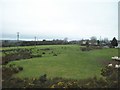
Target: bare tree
point(93, 40)
point(106, 40)
point(65, 39)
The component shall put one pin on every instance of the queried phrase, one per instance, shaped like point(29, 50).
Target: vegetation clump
point(18, 54)
point(110, 80)
point(54, 54)
point(43, 53)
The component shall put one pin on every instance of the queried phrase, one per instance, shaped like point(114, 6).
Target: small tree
point(106, 40)
point(93, 40)
point(114, 42)
point(65, 40)
point(98, 42)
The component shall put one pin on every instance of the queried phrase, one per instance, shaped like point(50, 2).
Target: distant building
point(83, 42)
point(119, 43)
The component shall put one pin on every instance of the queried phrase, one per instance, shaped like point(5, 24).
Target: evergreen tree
point(114, 42)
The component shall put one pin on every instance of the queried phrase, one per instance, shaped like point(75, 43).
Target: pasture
point(67, 61)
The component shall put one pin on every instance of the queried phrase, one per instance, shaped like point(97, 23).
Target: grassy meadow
point(67, 61)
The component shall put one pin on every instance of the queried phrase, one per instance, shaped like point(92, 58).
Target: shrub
point(86, 49)
point(109, 80)
point(54, 54)
point(43, 78)
point(43, 53)
point(18, 54)
point(90, 48)
point(20, 68)
point(111, 76)
point(8, 71)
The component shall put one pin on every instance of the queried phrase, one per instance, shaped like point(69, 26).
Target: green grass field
point(70, 62)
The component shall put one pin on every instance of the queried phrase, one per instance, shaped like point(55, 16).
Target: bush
point(8, 71)
point(18, 54)
point(20, 68)
point(90, 48)
point(43, 53)
point(86, 49)
point(109, 80)
point(43, 78)
point(111, 76)
point(54, 54)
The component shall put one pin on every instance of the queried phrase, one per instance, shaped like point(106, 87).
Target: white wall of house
point(84, 42)
point(119, 45)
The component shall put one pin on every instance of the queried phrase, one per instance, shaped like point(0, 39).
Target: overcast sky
point(57, 19)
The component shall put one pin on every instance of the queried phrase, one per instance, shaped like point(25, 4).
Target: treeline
point(10, 43)
point(93, 41)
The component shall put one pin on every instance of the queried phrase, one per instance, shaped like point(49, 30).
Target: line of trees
point(93, 40)
point(8, 43)
point(105, 42)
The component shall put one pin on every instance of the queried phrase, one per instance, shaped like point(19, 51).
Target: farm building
point(83, 42)
point(119, 43)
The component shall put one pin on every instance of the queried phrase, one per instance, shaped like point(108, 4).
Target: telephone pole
point(35, 40)
point(18, 38)
point(100, 41)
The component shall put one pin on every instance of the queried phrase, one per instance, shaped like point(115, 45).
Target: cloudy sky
point(57, 19)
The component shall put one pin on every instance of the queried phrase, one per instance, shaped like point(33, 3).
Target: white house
point(118, 44)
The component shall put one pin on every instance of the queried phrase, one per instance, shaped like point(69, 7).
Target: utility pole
point(18, 38)
point(35, 40)
point(100, 41)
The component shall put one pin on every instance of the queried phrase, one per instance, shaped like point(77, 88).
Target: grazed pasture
point(67, 61)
